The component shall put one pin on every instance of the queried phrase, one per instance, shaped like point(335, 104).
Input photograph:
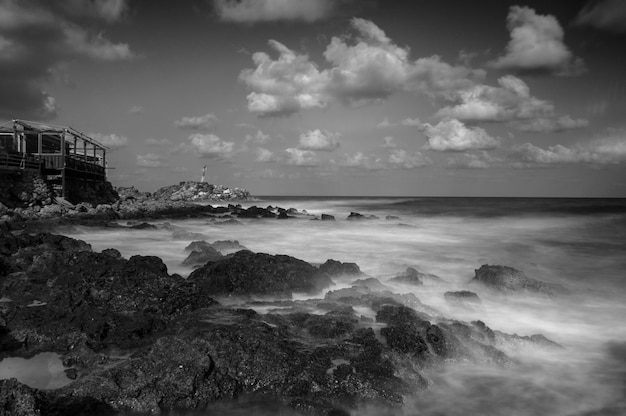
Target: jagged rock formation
point(200, 191)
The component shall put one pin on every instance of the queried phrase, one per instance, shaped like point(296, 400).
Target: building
point(64, 157)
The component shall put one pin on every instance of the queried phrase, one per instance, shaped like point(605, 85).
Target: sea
point(577, 243)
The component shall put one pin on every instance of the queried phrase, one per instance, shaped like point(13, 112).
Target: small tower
point(203, 172)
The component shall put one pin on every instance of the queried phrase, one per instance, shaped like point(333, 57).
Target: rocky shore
point(40, 202)
point(134, 338)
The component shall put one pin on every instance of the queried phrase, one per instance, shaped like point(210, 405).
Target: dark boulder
point(510, 280)
point(463, 298)
point(17, 399)
point(336, 268)
point(255, 212)
point(355, 216)
point(207, 254)
point(328, 217)
point(416, 278)
point(258, 274)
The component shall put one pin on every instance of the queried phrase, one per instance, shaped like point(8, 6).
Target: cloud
point(37, 37)
point(112, 141)
point(299, 157)
point(385, 123)
point(136, 109)
point(609, 15)
point(478, 160)
point(536, 46)
point(158, 142)
point(265, 156)
point(369, 69)
point(389, 143)
point(551, 125)
point(283, 86)
point(319, 140)
point(411, 122)
point(210, 146)
point(407, 122)
point(453, 135)
point(259, 137)
point(362, 161)
point(206, 122)
point(609, 150)
point(511, 101)
point(251, 11)
point(403, 159)
point(151, 160)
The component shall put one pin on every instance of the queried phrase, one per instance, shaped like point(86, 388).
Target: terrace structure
point(62, 156)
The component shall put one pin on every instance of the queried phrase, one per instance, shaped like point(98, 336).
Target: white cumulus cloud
point(536, 46)
point(367, 67)
point(609, 150)
point(321, 140)
point(406, 160)
point(299, 157)
point(210, 146)
point(453, 135)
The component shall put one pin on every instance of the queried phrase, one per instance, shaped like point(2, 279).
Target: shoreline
point(196, 342)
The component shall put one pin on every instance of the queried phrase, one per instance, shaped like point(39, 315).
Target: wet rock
point(112, 252)
point(255, 212)
point(355, 216)
point(416, 278)
point(206, 254)
point(371, 283)
point(223, 246)
point(327, 217)
point(17, 399)
point(509, 280)
point(336, 268)
point(258, 274)
point(392, 218)
point(143, 226)
point(463, 298)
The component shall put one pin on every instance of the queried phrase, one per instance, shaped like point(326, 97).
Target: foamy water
point(585, 253)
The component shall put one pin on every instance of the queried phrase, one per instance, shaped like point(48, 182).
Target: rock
point(355, 216)
point(206, 254)
point(410, 276)
point(3, 209)
point(327, 217)
point(392, 218)
point(509, 280)
point(223, 246)
point(17, 399)
point(258, 274)
point(414, 277)
point(112, 253)
point(371, 283)
point(463, 298)
point(143, 226)
point(255, 212)
point(336, 268)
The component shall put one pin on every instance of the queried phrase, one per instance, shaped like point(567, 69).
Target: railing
point(52, 161)
point(56, 161)
point(15, 161)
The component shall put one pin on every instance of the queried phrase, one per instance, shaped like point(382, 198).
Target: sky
point(332, 97)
